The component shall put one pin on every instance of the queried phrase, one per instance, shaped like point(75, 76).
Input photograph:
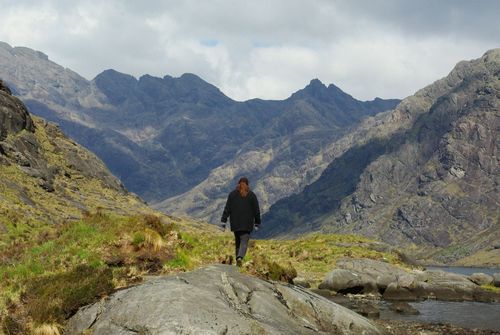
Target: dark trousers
point(241, 239)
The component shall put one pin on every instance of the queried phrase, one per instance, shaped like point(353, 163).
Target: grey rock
point(363, 275)
point(343, 281)
point(398, 293)
point(438, 285)
point(368, 309)
point(371, 276)
point(14, 116)
point(481, 279)
point(457, 172)
point(496, 279)
point(217, 300)
point(405, 280)
point(298, 281)
point(404, 308)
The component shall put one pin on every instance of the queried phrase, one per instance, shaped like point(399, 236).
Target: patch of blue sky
point(209, 42)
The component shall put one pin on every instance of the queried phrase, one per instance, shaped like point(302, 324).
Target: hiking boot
point(239, 261)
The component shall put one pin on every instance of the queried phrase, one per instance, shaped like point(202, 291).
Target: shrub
point(154, 222)
point(54, 298)
point(153, 239)
point(271, 270)
point(14, 324)
point(46, 329)
point(138, 239)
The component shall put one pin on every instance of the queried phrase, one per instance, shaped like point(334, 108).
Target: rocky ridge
point(164, 136)
point(429, 181)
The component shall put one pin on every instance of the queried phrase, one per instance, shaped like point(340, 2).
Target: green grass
point(59, 254)
point(50, 258)
point(138, 238)
point(181, 261)
point(311, 256)
point(491, 288)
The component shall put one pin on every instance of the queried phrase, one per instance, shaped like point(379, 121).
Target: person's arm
point(256, 211)
point(227, 210)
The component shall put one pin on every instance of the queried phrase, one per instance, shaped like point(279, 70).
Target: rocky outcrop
point(438, 285)
point(361, 276)
point(46, 176)
point(398, 284)
point(481, 279)
point(13, 114)
point(217, 300)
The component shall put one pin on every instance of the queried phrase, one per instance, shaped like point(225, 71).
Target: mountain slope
point(285, 156)
point(164, 136)
point(433, 182)
point(47, 177)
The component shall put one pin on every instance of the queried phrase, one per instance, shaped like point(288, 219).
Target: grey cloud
point(477, 19)
point(369, 48)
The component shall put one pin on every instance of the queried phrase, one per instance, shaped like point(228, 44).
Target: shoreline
point(398, 327)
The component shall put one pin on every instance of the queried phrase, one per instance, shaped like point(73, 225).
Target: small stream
point(465, 314)
point(467, 271)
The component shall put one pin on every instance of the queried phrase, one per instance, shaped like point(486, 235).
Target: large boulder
point(361, 275)
point(14, 116)
point(217, 300)
point(481, 278)
point(342, 281)
point(496, 279)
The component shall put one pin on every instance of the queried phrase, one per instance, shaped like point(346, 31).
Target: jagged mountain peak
point(114, 74)
point(316, 89)
point(119, 87)
point(316, 83)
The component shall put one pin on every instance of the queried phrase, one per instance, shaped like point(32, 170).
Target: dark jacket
point(243, 213)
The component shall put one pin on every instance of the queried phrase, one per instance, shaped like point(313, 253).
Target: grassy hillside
point(61, 267)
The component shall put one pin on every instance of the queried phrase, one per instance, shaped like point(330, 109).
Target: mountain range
point(426, 173)
point(164, 137)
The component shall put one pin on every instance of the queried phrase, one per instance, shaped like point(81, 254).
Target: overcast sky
point(261, 48)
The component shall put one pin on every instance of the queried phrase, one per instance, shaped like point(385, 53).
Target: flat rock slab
point(217, 300)
point(371, 276)
point(368, 274)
